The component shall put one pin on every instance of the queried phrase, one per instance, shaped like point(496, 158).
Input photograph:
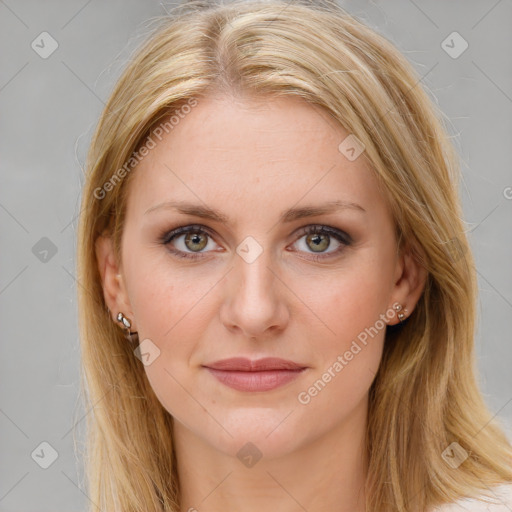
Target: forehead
point(257, 154)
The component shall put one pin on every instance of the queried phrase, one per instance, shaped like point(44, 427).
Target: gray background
point(48, 110)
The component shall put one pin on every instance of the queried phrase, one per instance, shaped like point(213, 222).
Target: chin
point(267, 431)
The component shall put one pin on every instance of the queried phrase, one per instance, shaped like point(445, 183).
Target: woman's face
point(271, 276)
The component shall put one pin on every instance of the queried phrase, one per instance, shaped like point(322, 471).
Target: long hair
point(425, 398)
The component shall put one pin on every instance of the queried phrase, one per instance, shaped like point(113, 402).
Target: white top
point(500, 502)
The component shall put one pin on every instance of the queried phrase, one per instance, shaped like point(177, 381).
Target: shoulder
point(500, 500)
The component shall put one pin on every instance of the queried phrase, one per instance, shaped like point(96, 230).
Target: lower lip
point(255, 381)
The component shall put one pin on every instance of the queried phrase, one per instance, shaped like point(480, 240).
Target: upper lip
point(248, 365)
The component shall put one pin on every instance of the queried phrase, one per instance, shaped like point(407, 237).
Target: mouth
point(264, 374)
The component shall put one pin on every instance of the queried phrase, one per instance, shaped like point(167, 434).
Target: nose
point(255, 301)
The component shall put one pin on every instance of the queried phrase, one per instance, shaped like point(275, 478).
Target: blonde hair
point(425, 395)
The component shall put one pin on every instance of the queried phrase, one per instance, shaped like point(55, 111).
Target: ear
point(114, 288)
point(409, 280)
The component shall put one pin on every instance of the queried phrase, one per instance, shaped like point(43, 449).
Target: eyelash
point(168, 236)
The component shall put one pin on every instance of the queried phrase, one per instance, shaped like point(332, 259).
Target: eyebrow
point(289, 215)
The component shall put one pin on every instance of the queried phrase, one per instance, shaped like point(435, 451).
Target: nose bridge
point(253, 267)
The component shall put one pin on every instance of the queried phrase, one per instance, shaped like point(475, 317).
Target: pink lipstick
point(259, 375)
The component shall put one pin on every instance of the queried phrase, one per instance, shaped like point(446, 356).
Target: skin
point(251, 160)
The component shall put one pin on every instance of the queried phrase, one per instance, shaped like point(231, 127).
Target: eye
point(319, 239)
point(187, 238)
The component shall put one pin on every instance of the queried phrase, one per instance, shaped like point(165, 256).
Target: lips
point(247, 365)
point(264, 374)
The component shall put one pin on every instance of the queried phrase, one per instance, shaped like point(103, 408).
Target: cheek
point(350, 300)
point(161, 296)
point(152, 303)
point(352, 306)
point(349, 355)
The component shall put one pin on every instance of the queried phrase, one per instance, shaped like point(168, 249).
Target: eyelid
point(325, 229)
point(169, 234)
